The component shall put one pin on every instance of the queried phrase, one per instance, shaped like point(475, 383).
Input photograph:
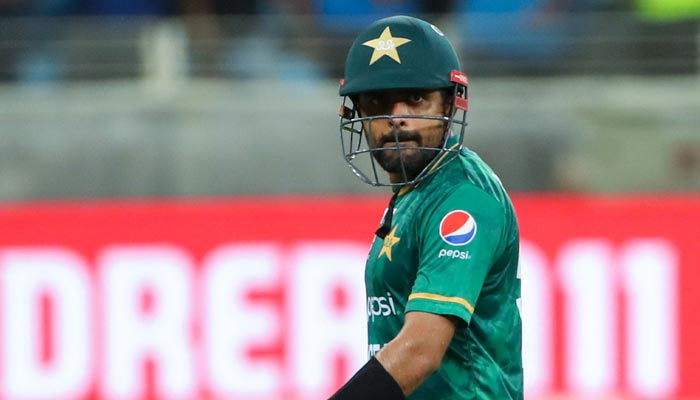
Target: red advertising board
point(262, 298)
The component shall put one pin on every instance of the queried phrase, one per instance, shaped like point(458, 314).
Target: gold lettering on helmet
point(385, 45)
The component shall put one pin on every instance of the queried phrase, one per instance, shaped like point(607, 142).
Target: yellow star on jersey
point(385, 45)
point(389, 241)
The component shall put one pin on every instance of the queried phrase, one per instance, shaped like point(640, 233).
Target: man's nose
point(398, 108)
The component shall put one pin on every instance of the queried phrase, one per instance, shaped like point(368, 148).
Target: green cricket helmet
point(400, 53)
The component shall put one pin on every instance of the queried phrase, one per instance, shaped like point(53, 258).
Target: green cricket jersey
point(452, 249)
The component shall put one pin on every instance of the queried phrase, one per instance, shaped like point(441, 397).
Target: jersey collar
point(452, 145)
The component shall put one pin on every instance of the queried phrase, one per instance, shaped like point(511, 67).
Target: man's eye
point(415, 98)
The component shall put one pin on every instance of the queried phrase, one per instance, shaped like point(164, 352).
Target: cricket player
point(442, 273)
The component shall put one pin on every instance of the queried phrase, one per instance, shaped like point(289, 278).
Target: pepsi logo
point(458, 228)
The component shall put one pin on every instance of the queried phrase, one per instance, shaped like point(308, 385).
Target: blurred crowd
point(323, 8)
point(356, 8)
point(518, 35)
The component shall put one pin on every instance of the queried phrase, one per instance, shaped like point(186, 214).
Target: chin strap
point(385, 226)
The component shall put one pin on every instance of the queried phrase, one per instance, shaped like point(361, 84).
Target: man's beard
point(411, 162)
point(407, 161)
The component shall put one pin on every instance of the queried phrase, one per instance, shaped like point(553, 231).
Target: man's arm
point(404, 363)
point(417, 351)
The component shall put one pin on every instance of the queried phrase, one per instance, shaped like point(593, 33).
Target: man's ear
point(447, 101)
point(356, 104)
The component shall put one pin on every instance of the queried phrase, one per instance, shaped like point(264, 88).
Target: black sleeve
point(371, 382)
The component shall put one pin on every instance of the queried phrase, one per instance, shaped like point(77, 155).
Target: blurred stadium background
point(187, 124)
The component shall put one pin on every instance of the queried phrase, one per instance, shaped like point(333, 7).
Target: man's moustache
point(400, 136)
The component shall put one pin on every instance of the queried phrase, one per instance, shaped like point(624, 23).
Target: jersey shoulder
point(468, 173)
